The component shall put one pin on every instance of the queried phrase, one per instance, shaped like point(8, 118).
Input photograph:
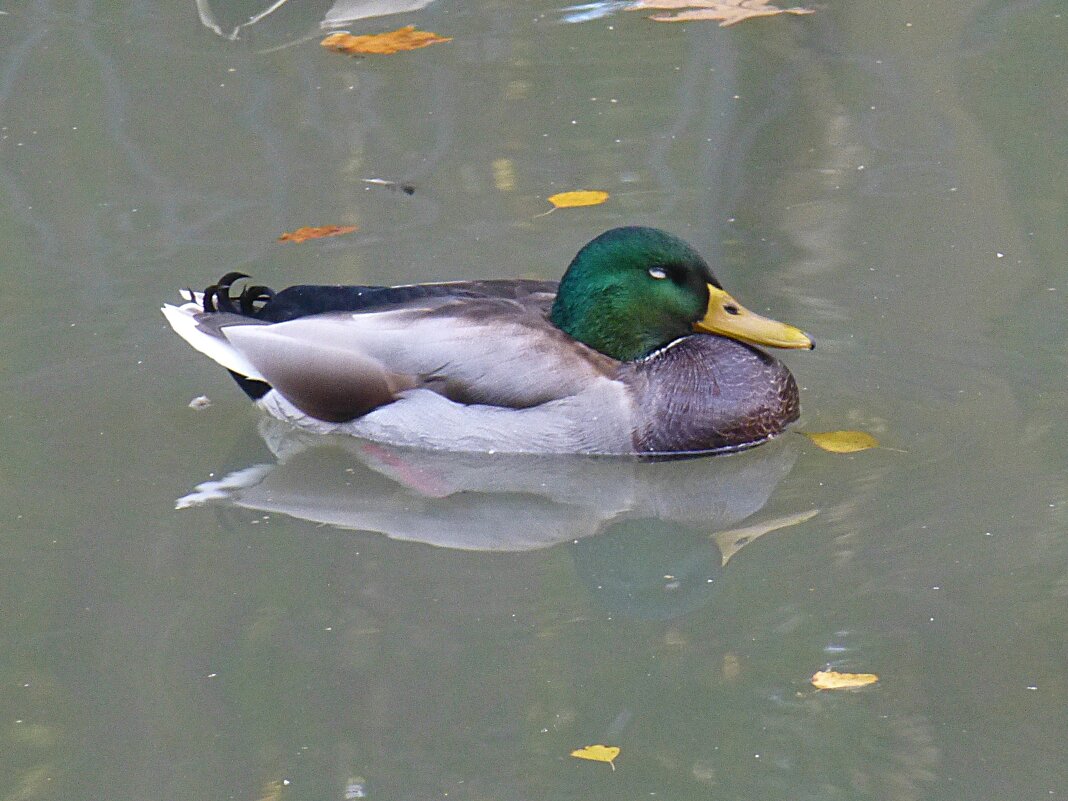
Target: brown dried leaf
point(832, 680)
point(727, 12)
point(316, 232)
point(382, 44)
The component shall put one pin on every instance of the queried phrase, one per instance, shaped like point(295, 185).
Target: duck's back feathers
point(305, 300)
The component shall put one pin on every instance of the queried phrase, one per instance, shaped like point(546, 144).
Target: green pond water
point(355, 621)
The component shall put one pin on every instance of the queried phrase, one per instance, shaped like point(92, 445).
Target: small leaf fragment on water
point(272, 791)
point(598, 753)
point(582, 197)
point(726, 12)
point(504, 175)
point(382, 44)
point(316, 232)
point(407, 189)
point(842, 441)
point(732, 666)
point(833, 680)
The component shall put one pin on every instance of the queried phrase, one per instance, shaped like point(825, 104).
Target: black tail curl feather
point(217, 297)
point(264, 304)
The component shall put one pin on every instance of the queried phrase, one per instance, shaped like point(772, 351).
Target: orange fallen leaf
point(842, 441)
point(582, 197)
point(598, 753)
point(727, 12)
point(382, 44)
point(313, 232)
point(832, 680)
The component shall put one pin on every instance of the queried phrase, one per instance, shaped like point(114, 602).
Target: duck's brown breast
point(709, 393)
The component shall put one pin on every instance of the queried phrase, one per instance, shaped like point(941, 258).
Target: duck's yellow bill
point(728, 317)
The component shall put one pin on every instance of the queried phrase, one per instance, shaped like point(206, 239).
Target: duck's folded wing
point(326, 381)
point(489, 351)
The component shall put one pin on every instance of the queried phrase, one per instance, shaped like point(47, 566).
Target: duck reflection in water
point(649, 539)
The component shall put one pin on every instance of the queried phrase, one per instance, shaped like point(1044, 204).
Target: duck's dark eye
point(730, 308)
point(657, 272)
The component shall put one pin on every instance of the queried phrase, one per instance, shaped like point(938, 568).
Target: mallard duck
point(637, 350)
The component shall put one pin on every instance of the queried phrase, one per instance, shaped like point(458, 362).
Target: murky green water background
point(892, 176)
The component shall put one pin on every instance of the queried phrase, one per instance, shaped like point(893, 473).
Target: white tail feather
point(183, 321)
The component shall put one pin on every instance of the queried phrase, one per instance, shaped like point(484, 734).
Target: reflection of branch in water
point(115, 188)
point(21, 205)
point(207, 18)
point(732, 541)
point(345, 11)
point(340, 13)
point(116, 104)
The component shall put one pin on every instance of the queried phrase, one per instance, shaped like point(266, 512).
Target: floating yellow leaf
point(598, 753)
point(584, 197)
point(842, 441)
point(382, 44)
point(312, 232)
point(832, 680)
point(726, 12)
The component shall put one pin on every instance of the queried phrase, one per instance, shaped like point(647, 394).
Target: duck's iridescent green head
point(635, 289)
